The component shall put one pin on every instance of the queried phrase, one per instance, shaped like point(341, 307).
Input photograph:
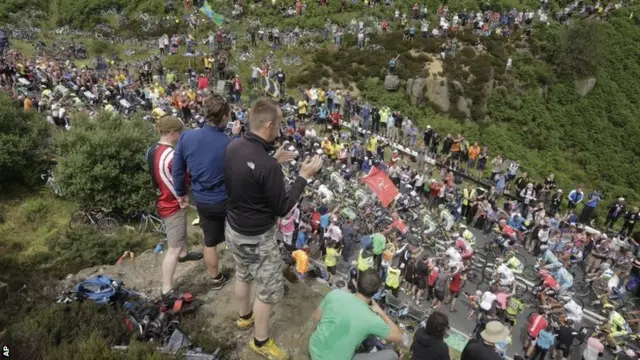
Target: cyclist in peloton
point(445, 217)
point(506, 236)
point(503, 274)
point(467, 235)
point(463, 246)
point(617, 328)
point(512, 262)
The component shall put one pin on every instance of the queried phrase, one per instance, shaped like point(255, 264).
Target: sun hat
point(494, 332)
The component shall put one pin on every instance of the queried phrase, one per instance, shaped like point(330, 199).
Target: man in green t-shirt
point(379, 245)
point(345, 320)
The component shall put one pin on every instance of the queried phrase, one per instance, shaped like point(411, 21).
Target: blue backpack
point(100, 289)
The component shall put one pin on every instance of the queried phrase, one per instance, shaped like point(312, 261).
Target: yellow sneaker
point(270, 350)
point(245, 324)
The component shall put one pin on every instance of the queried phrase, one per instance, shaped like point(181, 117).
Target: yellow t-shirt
point(302, 107)
point(373, 145)
point(327, 147)
point(322, 96)
point(158, 113)
point(332, 257)
point(335, 150)
point(302, 261)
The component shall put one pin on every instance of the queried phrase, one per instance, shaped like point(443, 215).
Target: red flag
point(381, 185)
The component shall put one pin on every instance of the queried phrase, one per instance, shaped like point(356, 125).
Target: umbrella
point(270, 87)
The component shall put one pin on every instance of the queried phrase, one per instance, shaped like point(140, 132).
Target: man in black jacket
point(428, 342)
point(615, 211)
point(257, 197)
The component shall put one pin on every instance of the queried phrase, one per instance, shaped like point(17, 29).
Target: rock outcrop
point(584, 86)
point(438, 92)
point(415, 90)
point(464, 105)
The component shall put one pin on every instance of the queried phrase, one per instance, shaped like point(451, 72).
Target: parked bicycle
point(51, 181)
point(94, 218)
point(151, 222)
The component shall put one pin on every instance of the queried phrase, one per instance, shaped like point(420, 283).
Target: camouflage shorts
point(258, 259)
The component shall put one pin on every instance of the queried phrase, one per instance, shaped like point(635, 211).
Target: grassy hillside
point(533, 114)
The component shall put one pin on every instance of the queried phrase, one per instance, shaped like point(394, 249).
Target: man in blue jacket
point(590, 206)
point(202, 153)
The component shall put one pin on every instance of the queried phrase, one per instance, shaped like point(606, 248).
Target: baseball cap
point(168, 124)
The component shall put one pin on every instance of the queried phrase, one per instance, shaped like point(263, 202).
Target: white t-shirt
point(454, 257)
point(574, 311)
point(334, 233)
point(487, 300)
point(505, 273)
point(325, 192)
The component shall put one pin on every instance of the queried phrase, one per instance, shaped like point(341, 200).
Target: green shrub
point(23, 146)
point(101, 163)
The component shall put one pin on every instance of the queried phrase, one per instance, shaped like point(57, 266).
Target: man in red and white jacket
point(170, 210)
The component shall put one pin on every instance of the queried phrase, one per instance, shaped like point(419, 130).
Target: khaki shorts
point(176, 226)
point(258, 259)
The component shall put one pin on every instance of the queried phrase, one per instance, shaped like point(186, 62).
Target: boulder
point(464, 105)
point(416, 91)
point(584, 86)
point(391, 82)
point(408, 87)
point(438, 92)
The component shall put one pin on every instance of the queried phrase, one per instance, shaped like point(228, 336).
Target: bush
point(101, 163)
point(23, 146)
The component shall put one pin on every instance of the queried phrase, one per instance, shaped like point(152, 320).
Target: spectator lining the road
point(257, 196)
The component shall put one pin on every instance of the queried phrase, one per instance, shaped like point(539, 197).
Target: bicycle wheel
point(286, 61)
point(78, 219)
point(108, 226)
point(297, 61)
point(474, 276)
point(480, 259)
point(144, 223)
point(582, 289)
point(530, 273)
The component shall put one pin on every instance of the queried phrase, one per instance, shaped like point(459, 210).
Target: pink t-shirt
point(287, 225)
point(502, 298)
